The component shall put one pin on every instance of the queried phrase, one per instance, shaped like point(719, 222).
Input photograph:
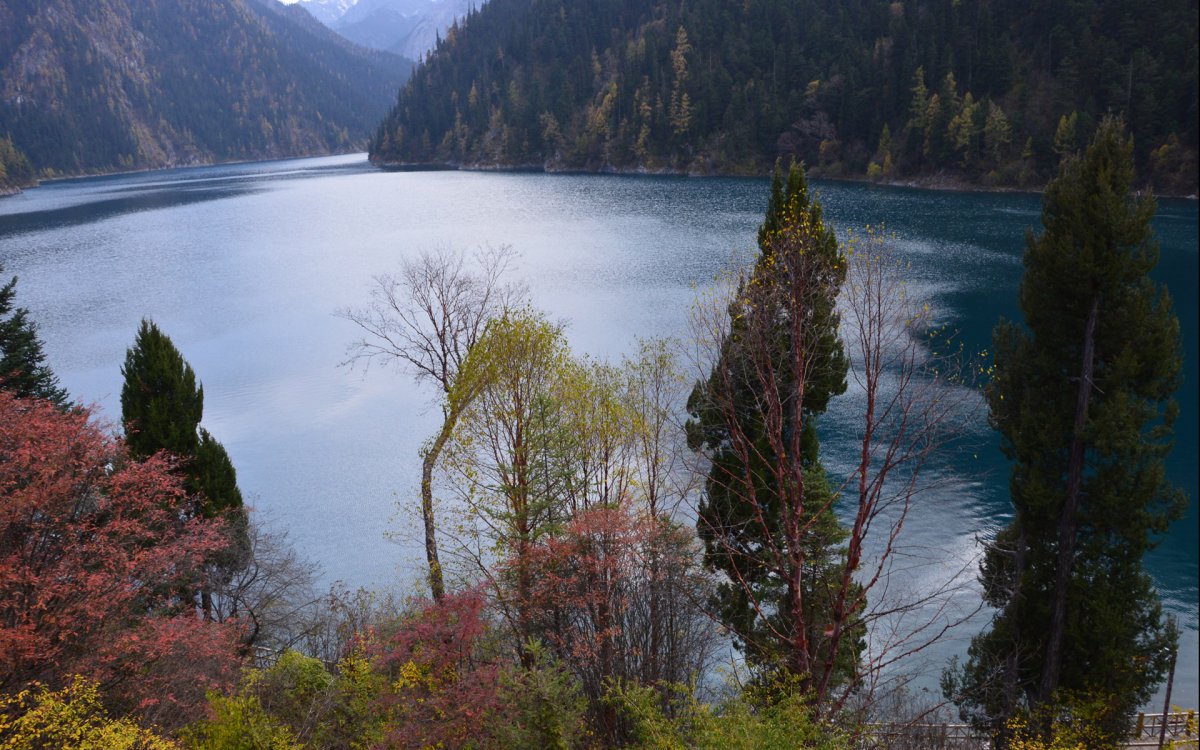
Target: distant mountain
point(953, 91)
point(406, 27)
point(327, 12)
point(109, 85)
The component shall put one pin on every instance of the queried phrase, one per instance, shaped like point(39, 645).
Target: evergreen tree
point(23, 368)
point(766, 518)
point(161, 407)
point(1082, 400)
point(215, 477)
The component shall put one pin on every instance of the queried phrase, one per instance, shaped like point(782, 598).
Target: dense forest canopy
point(125, 84)
point(971, 90)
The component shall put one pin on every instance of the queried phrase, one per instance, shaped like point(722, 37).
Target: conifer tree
point(161, 404)
point(161, 407)
point(1082, 400)
point(766, 518)
point(23, 368)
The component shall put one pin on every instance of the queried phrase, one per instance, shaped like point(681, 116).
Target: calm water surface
point(243, 266)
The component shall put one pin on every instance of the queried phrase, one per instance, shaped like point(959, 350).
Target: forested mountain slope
point(981, 91)
point(122, 84)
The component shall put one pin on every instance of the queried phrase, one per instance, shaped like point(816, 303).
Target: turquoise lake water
point(243, 265)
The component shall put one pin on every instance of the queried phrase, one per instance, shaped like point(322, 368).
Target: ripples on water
point(243, 265)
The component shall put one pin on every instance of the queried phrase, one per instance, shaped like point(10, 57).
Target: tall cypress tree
point(766, 518)
point(1082, 400)
point(23, 368)
point(161, 407)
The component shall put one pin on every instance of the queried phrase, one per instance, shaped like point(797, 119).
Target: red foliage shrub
point(94, 553)
point(444, 684)
point(614, 598)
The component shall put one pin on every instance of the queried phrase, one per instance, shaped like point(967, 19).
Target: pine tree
point(23, 368)
point(1082, 400)
point(766, 518)
point(161, 407)
point(160, 402)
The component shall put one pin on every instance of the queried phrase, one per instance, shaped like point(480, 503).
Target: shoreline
point(938, 182)
point(190, 164)
point(8, 187)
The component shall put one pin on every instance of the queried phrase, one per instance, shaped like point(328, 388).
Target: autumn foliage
point(73, 717)
point(94, 552)
point(609, 597)
point(444, 686)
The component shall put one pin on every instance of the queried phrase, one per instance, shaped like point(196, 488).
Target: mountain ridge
point(117, 85)
point(409, 28)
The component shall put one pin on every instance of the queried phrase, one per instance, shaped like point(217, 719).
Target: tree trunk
point(1068, 522)
point(857, 534)
point(801, 657)
point(1012, 671)
point(437, 585)
point(1162, 730)
point(652, 675)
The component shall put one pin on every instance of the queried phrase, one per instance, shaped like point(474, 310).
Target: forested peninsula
point(15, 169)
point(118, 85)
point(935, 92)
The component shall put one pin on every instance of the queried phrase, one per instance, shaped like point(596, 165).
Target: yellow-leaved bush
point(71, 719)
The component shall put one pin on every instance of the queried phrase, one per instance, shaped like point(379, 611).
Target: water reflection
point(106, 208)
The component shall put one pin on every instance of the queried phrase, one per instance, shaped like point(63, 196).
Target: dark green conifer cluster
point(959, 89)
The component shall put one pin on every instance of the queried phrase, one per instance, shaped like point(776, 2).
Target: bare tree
point(914, 404)
point(343, 617)
point(427, 318)
point(273, 593)
point(654, 394)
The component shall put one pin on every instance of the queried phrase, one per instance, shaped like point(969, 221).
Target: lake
point(243, 266)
